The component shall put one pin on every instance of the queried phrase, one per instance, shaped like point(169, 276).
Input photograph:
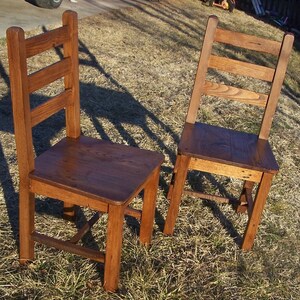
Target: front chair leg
point(171, 185)
point(113, 247)
point(148, 211)
point(182, 163)
point(256, 213)
point(26, 225)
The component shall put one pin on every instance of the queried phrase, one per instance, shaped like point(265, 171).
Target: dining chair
point(229, 152)
point(78, 170)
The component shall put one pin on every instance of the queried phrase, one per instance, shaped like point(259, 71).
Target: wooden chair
point(77, 170)
point(223, 151)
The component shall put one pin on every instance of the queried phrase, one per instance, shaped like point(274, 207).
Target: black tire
point(231, 5)
point(48, 3)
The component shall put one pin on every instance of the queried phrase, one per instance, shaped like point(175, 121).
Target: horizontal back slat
point(234, 93)
point(49, 74)
point(247, 41)
point(50, 107)
point(241, 68)
point(46, 41)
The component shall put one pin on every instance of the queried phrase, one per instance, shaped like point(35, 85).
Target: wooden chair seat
point(227, 146)
point(95, 168)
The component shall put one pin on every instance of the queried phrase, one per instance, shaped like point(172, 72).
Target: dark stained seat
point(227, 146)
point(100, 170)
point(228, 152)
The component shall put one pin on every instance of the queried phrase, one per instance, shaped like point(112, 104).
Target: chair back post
point(20, 101)
point(202, 69)
point(277, 82)
point(70, 20)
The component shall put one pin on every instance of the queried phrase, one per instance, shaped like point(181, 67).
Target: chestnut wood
point(241, 68)
point(284, 55)
point(68, 246)
point(230, 92)
point(245, 41)
point(182, 162)
point(215, 198)
point(45, 41)
point(49, 74)
point(85, 228)
point(256, 213)
point(50, 107)
point(202, 69)
point(246, 199)
point(227, 146)
point(96, 169)
point(77, 170)
point(228, 152)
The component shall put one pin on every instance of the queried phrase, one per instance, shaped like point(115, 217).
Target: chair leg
point(182, 163)
point(246, 191)
point(69, 212)
point(255, 215)
point(148, 211)
point(171, 186)
point(26, 225)
point(113, 247)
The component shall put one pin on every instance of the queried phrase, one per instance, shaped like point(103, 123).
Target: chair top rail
point(247, 41)
point(45, 41)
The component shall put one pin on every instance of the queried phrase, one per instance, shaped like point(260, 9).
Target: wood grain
point(45, 41)
point(96, 169)
point(77, 170)
point(241, 68)
point(50, 107)
point(48, 75)
point(227, 146)
point(248, 42)
point(234, 93)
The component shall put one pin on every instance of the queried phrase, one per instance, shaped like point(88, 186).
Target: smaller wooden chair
point(77, 170)
point(228, 152)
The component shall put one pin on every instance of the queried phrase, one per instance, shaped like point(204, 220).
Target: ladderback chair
point(223, 151)
point(77, 170)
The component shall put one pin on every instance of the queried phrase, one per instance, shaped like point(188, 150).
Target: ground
point(137, 68)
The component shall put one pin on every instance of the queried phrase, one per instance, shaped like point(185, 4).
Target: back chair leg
point(182, 163)
point(148, 213)
point(244, 197)
point(255, 215)
point(69, 212)
point(26, 226)
point(113, 247)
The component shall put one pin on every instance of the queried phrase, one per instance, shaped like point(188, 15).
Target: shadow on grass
point(197, 179)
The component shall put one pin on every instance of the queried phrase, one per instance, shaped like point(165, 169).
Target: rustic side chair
point(224, 151)
point(77, 170)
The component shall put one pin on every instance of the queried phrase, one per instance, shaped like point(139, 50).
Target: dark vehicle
point(48, 3)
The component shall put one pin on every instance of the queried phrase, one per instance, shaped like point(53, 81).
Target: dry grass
point(137, 70)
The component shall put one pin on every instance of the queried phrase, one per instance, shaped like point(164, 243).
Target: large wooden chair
point(228, 152)
point(77, 170)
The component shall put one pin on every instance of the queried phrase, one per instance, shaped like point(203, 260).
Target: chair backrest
point(281, 51)
point(24, 84)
